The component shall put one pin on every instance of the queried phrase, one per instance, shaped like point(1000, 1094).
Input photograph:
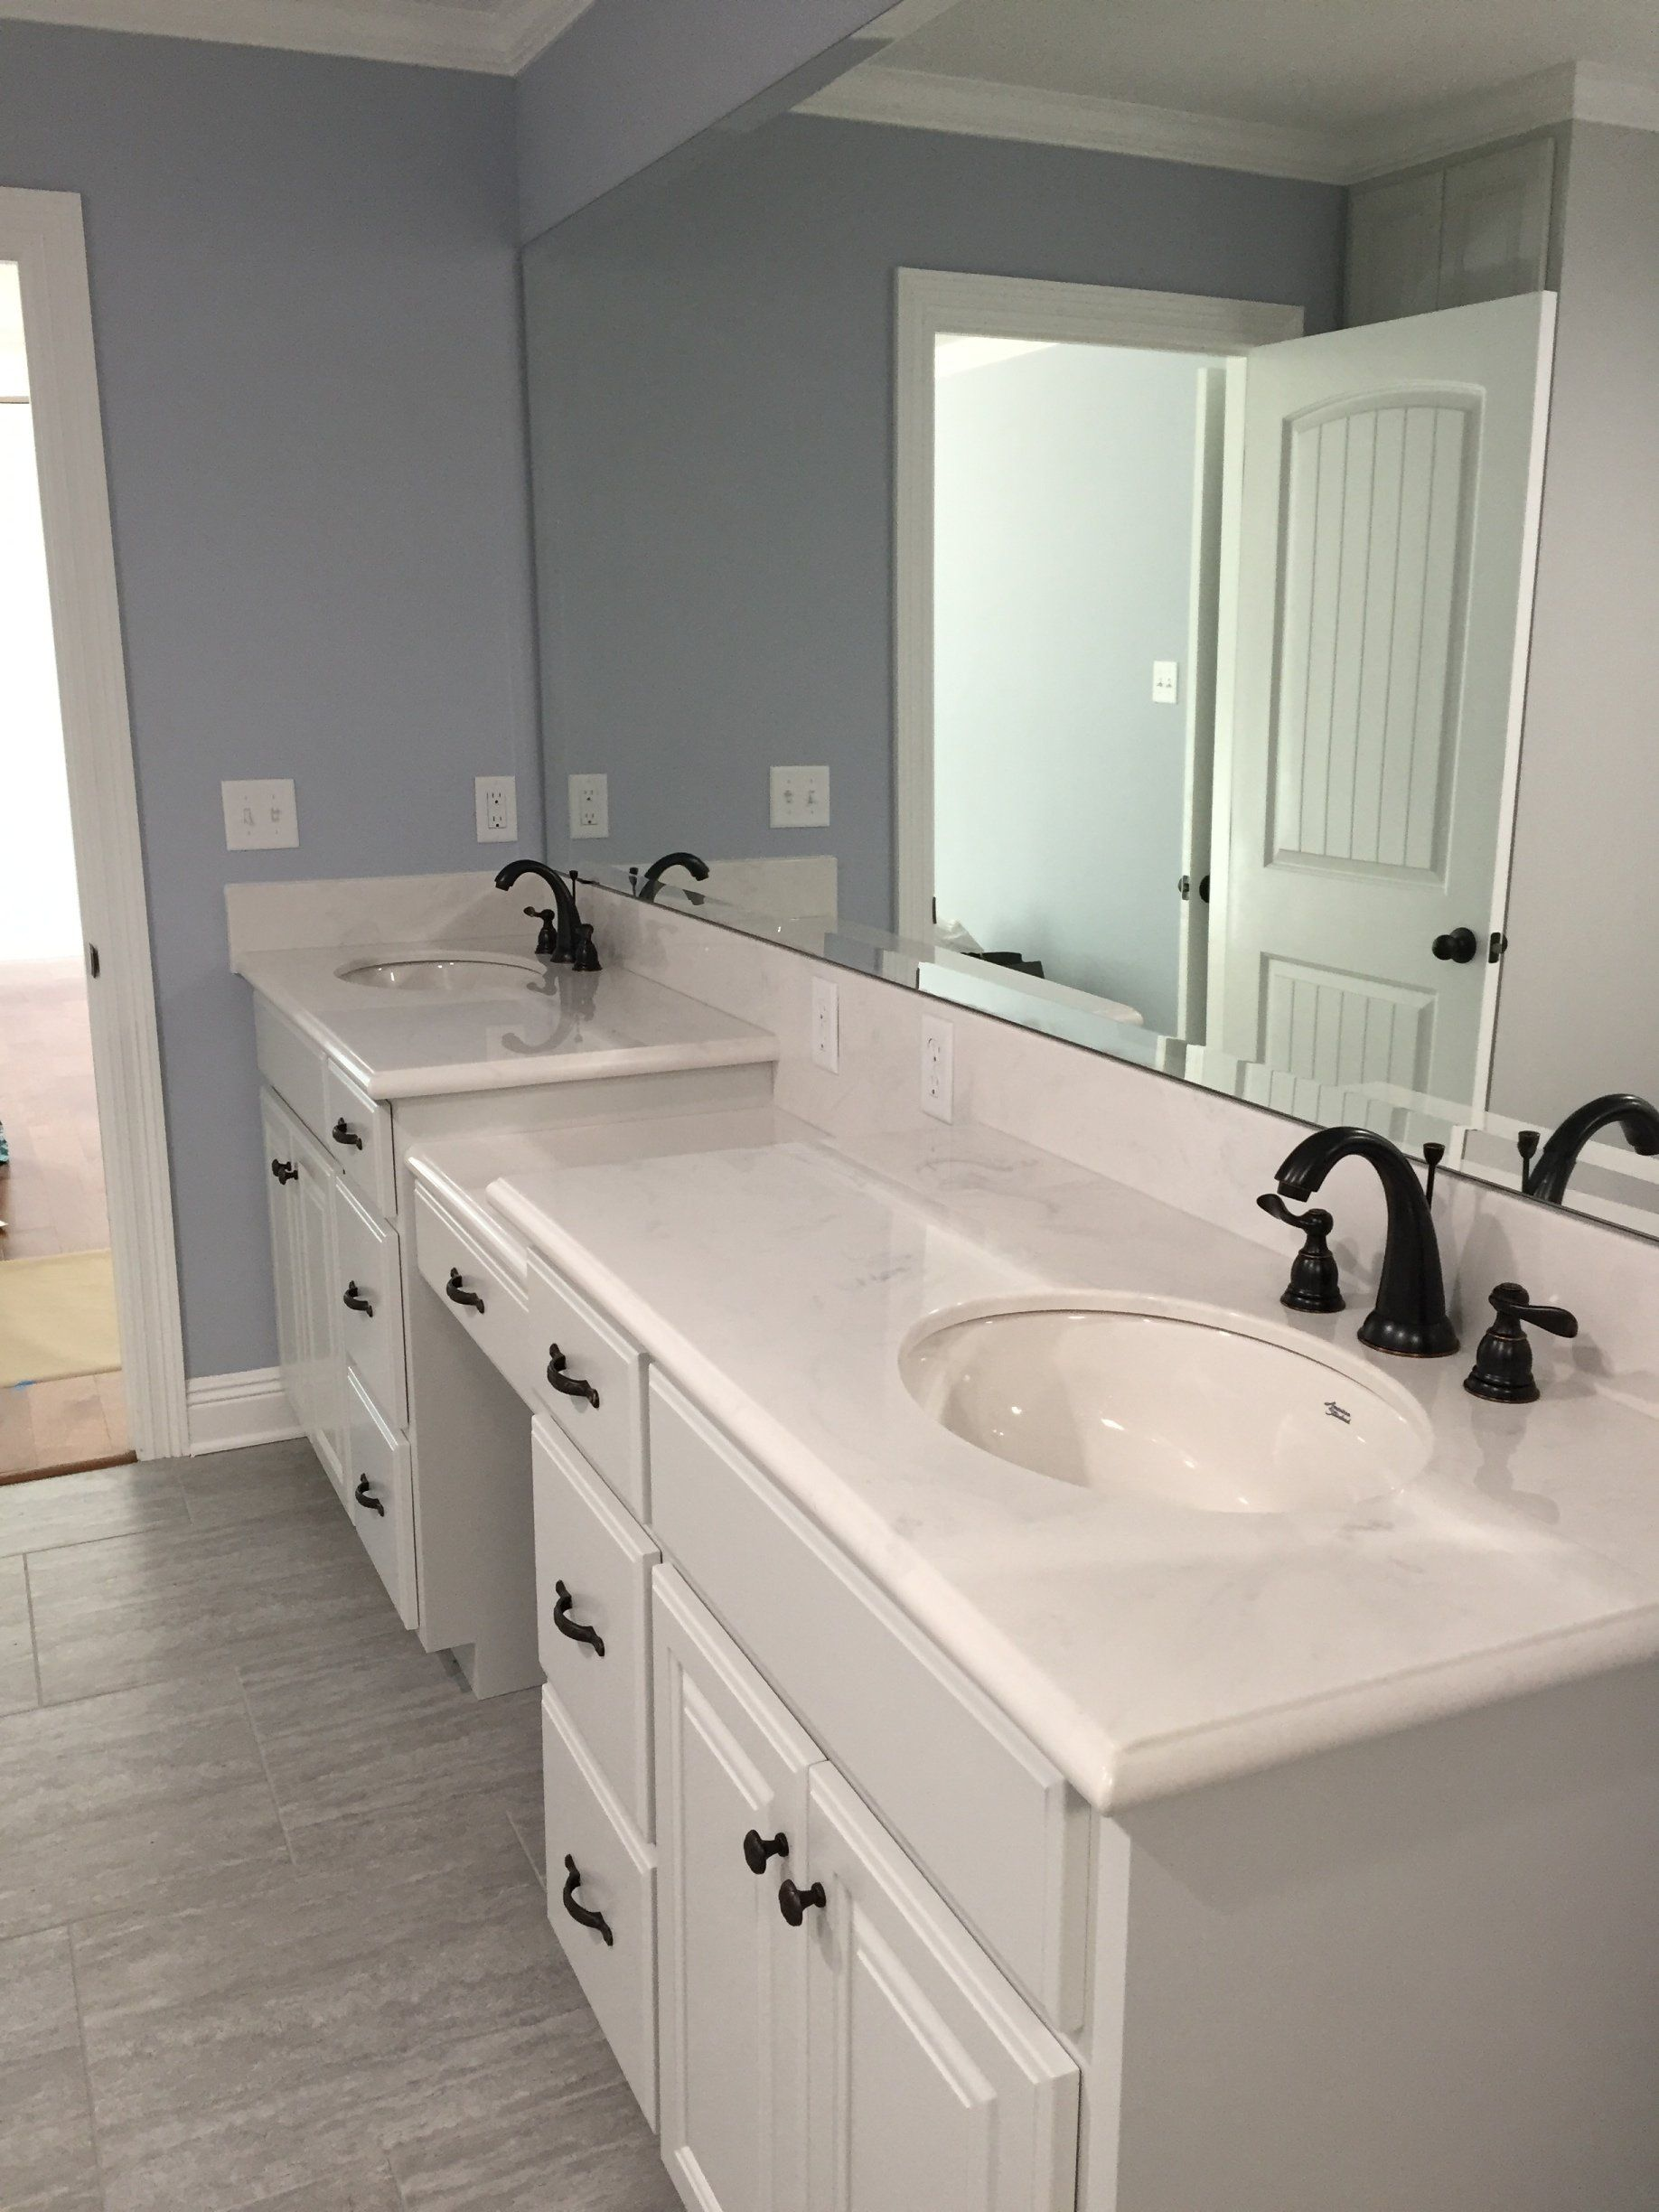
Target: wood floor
point(272, 1933)
point(52, 1200)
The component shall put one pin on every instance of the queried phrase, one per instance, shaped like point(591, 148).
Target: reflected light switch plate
point(259, 816)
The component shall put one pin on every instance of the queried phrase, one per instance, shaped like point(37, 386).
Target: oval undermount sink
point(1176, 1404)
point(450, 976)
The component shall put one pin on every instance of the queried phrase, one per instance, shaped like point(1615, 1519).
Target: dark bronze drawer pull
point(344, 1134)
point(579, 1913)
point(365, 1496)
point(568, 1385)
point(792, 1903)
point(455, 1290)
point(354, 1299)
point(285, 1171)
point(577, 1631)
point(757, 1848)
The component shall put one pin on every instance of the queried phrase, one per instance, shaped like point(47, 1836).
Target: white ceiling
point(496, 37)
point(1332, 63)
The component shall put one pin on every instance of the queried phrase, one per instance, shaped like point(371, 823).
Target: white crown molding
point(976, 108)
point(496, 38)
point(227, 1411)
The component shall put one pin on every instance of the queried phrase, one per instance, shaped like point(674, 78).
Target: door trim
point(934, 301)
point(43, 233)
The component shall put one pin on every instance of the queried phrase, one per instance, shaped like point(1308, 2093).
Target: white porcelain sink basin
point(451, 975)
point(1183, 1405)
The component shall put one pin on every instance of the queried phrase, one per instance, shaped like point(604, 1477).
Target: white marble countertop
point(553, 1026)
point(1145, 1648)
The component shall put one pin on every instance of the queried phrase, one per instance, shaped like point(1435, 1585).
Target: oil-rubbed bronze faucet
point(1549, 1176)
point(1409, 1317)
point(565, 937)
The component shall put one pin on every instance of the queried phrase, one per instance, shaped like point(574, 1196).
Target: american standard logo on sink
point(1337, 1413)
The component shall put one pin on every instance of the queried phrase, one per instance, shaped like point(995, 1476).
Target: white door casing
point(42, 233)
point(931, 303)
point(1388, 499)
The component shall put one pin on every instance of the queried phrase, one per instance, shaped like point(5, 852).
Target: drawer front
point(379, 1497)
point(290, 1064)
point(369, 1296)
point(358, 1132)
point(592, 1361)
point(597, 1864)
point(593, 1581)
point(484, 1303)
point(992, 1821)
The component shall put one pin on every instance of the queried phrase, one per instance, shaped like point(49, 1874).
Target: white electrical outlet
point(826, 1025)
point(259, 816)
point(800, 798)
point(590, 807)
point(1166, 682)
point(937, 1068)
point(495, 805)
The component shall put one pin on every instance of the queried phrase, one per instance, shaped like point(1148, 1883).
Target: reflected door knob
point(1459, 945)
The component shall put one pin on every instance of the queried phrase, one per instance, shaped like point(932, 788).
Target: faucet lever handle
point(1315, 1285)
point(1512, 1303)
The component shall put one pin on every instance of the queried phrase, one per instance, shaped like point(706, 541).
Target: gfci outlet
point(826, 1025)
point(937, 1068)
point(800, 797)
point(495, 806)
point(590, 807)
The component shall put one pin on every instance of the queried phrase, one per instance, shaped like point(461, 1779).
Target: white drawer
point(370, 1295)
point(358, 1132)
point(598, 1398)
point(492, 1311)
point(991, 1821)
point(290, 1064)
point(592, 1616)
point(597, 1865)
point(382, 1509)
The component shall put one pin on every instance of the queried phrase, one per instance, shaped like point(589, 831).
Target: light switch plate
point(1166, 682)
point(590, 807)
point(495, 805)
point(259, 816)
point(826, 1025)
point(800, 797)
point(937, 1068)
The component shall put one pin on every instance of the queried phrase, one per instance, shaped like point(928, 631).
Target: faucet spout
point(1553, 1170)
point(694, 866)
point(573, 940)
point(1409, 1317)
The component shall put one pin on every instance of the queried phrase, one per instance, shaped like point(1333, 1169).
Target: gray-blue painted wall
point(305, 299)
point(711, 396)
point(632, 80)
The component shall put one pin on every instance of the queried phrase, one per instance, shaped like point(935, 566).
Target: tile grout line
point(35, 1641)
point(86, 2066)
point(265, 1766)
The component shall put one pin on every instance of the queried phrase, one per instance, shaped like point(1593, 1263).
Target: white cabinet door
point(1494, 239)
point(282, 1167)
point(731, 1782)
point(931, 2084)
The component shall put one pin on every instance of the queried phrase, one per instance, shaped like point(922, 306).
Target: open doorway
point(91, 1358)
point(61, 1401)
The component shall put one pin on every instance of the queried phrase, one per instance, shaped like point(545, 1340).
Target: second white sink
point(450, 975)
point(1183, 1405)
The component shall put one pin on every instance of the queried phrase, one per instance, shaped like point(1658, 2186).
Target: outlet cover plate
point(800, 797)
point(937, 1068)
point(259, 816)
point(495, 806)
point(590, 806)
point(826, 1043)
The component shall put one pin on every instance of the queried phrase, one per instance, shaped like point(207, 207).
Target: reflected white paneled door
point(1388, 508)
point(930, 2085)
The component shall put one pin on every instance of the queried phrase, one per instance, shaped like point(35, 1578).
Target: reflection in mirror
point(1060, 519)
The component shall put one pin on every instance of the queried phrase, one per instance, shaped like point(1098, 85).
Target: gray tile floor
point(272, 1931)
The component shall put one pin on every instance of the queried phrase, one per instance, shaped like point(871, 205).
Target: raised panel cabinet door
point(278, 1130)
point(322, 1358)
point(932, 2086)
point(731, 1818)
point(1394, 247)
point(1495, 238)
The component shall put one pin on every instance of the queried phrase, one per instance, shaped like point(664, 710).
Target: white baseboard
point(228, 1410)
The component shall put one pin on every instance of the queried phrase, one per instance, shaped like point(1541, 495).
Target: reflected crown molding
point(971, 107)
point(495, 38)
